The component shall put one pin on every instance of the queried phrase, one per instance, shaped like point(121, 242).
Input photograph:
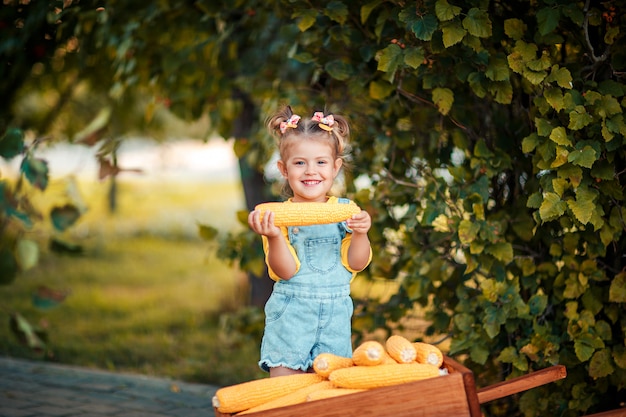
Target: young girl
point(310, 309)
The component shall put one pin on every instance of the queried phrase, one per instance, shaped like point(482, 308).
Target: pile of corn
point(372, 365)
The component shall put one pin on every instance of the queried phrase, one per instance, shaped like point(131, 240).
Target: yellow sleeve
point(345, 245)
point(270, 272)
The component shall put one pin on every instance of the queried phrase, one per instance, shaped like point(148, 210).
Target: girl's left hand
point(360, 223)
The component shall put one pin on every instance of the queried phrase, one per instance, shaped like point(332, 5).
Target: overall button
point(295, 230)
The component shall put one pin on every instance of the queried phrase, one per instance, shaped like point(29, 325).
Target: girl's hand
point(360, 223)
point(263, 227)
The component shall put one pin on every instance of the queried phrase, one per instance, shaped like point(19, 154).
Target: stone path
point(41, 389)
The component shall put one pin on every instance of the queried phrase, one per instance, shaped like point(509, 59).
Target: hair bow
point(325, 122)
point(292, 122)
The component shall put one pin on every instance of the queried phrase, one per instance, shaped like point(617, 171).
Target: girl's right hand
point(263, 227)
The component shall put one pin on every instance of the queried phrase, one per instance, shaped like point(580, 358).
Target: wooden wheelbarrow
point(453, 395)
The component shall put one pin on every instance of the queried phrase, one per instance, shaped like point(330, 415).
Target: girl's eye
point(322, 162)
point(299, 163)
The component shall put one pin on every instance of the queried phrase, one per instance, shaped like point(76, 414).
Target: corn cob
point(427, 353)
point(401, 349)
point(367, 377)
point(295, 397)
point(239, 397)
point(326, 362)
point(388, 359)
point(331, 392)
point(369, 353)
point(306, 214)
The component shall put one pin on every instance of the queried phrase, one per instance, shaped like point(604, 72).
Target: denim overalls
point(311, 312)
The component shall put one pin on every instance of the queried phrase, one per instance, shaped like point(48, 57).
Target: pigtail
point(279, 119)
point(341, 132)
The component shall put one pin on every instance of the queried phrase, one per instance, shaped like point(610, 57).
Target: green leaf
point(453, 33)
point(616, 124)
point(552, 207)
point(530, 142)
point(600, 365)
point(548, 19)
point(503, 91)
point(424, 27)
point(207, 232)
point(537, 304)
point(11, 143)
point(583, 157)
point(603, 170)
point(611, 88)
point(617, 291)
point(579, 118)
point(367, 9)
point(497, 70)
point(414, 57)
point(389, 58)
point(535, 77)
point(476, 81)
point(26, 254)
point(443, 99)
point(608, 106)
point(515, 28)
point(584, 205)
point(544, 126)
point(379, 90)
point(502, 251)
point(619, 356)
point(445, 11)
point(559, 136)
point(508, 354)
point(562, 76)
point(339, 70)
point(26, 333)
point(540, 64)
point(554, 97)
point(479, 353)
point(583, 350)
point(477, 23)
point(337, 11)
point(307, 18)
point(560, 159)
point(36, 171)
point(481, 150)
point(64, 216)
point(468, 230)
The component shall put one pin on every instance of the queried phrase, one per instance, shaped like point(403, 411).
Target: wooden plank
point(438, 396)
point(468, 383)
point(521, 383)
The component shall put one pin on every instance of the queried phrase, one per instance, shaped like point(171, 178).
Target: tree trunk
point(255, 191)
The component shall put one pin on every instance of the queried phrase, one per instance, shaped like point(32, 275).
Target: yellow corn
point(427, 353)
point(401, 349)
point(388, 359)
point(367, 377)
point(306, 214)
point(331, 392)
point(295, 397)
point(369, 353)
point(239, 397)
point(326, 362)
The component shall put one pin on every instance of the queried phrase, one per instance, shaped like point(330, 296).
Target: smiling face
point(310, 167)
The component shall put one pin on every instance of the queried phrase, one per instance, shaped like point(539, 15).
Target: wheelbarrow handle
point(521, 383)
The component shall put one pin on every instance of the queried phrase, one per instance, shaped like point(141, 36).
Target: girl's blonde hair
point(286, 127)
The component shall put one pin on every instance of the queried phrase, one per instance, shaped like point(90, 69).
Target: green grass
point(147, 294)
